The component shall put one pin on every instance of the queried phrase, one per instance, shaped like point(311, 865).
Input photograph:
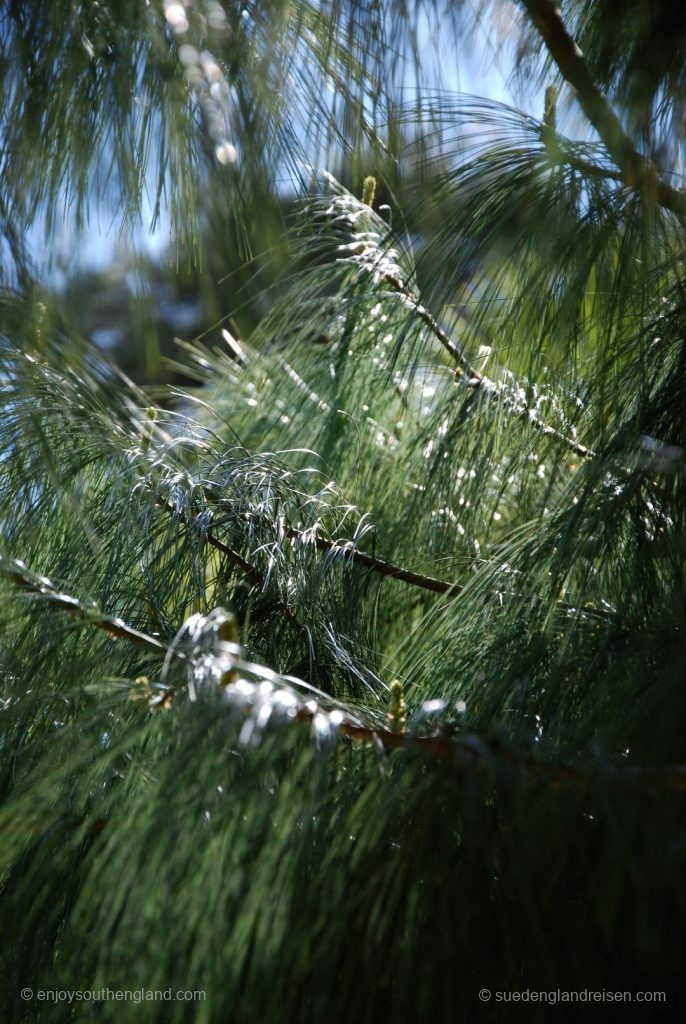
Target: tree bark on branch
point(638, 172)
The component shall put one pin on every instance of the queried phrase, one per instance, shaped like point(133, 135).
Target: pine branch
point(329, 545)
point(335, 546)
point(384, 271)
point(415, 579)
point(41, 587)
point(368, 255)
point(478, 381)
point(347, 547)
point(379, 565)
point(638, 172)
point(587, 168)
point(252, 573)
point(279, 692)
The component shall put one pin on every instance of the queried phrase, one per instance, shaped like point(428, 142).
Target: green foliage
point(436, 743)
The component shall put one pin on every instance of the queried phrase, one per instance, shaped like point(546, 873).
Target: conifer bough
point(350, 797)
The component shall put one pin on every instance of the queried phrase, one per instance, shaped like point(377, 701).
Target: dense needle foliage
point(349, 681)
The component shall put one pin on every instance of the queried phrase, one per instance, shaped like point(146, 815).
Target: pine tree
point(348, 682)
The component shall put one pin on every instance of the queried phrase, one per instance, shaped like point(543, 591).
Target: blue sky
point(478, 68)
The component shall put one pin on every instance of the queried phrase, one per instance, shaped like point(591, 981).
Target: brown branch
point(638, 172)
point(561, 153)
point(464, 750)
point(40, 587)
point(256, 577)
point(478, 381)
point(476, 753)
point(379, 565)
